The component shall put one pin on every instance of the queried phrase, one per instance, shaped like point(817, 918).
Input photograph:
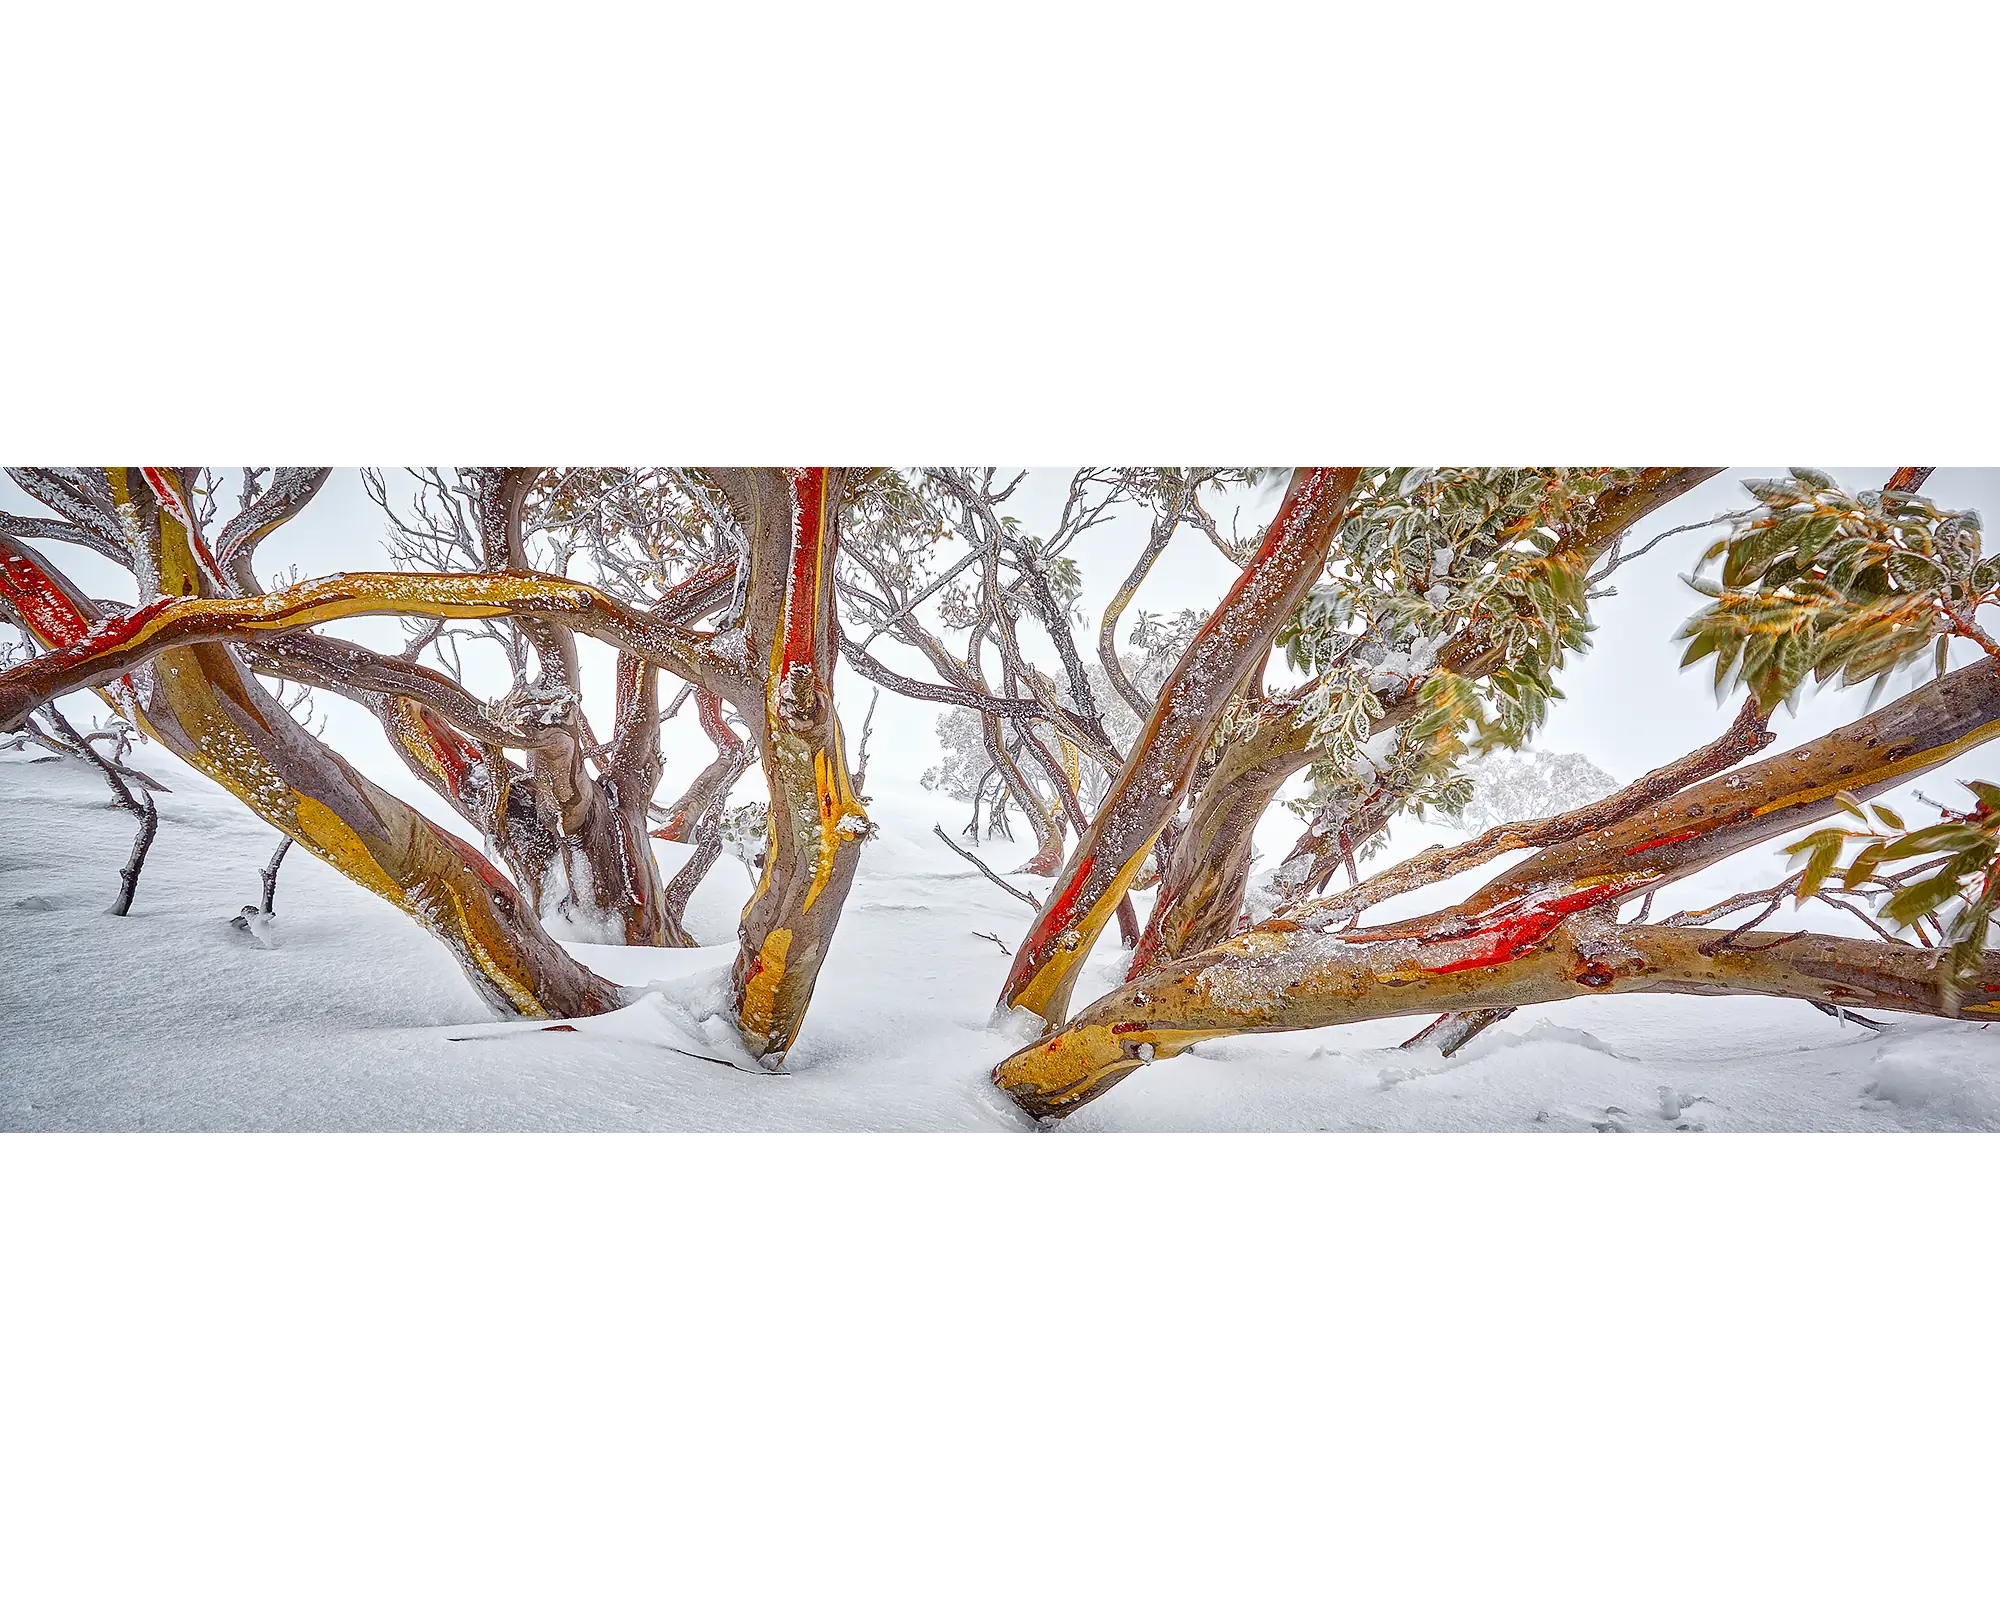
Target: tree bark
point(1149, 788)
point(1308, 971)
point(1203, 886)
point(816, 823)
point(1279, 989)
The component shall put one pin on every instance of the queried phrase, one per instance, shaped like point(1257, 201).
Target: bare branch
point(991, 875)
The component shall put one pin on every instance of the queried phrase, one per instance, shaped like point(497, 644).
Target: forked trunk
point(1511, 943)
point(1203, 887)
point(1149, 789)
point(203, 705)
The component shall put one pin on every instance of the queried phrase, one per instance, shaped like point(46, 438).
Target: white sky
point(1626, 705)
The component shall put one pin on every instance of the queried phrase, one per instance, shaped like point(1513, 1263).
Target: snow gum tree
point(563, 811)
point(1816, 584)
point(1387, 629)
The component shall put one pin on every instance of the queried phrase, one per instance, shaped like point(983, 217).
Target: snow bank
point(340, 1013)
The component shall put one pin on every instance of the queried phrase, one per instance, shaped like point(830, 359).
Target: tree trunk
point(1489, 951)
point(208, 709)
point(1148, 790)
point(816, 824)
point(1276, 990)
point(1208, 871)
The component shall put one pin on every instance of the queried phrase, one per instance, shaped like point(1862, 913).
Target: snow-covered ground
point(341, 1013)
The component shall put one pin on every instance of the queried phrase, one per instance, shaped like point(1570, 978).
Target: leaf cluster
point(1431, 558)
point(1818, 583)
point(1943, 873)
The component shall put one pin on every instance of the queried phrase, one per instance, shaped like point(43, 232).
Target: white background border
point(884, 1366)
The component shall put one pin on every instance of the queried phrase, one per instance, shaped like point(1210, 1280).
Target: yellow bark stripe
point(760, 993)
point(340, 595)
point(1084, 933)
point(1932, 756)
point(836, 804)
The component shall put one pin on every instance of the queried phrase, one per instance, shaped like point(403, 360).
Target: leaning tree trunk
point(1203, 886)
point(1207, 873)
point(775, 666)
point(1584, 955)
point(1512, 944)
point(208, 709)
point(1147, 792)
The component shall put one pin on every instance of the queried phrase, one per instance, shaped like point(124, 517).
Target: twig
point(1005, 949)
point(1736, 902)
point(867, 726)
point(1841, 1013)
point(1018, 894)
point(142, 808)
point(270, 874)
point(1716, 946)
point(1617, 557)
point(1454, 1030)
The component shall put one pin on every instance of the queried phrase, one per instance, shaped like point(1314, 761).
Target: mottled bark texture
point(183, 659)
point(816, 823)
point(1745, 736)
point(1586, 955)
point(205, 706)
point(1202, 888)
point(1148, 790)
point(1541, 930)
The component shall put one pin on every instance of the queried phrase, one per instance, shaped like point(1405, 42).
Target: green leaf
point(1862, 867)
point(1817, 869)
point(1915, 901)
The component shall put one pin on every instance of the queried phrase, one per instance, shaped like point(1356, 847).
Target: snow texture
point(340, 1013)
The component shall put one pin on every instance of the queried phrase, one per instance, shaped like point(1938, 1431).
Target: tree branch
point(991, 875)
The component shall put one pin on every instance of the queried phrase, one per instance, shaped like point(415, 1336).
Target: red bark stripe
point(1499, 942)
point(1671, 838)
point(1057, 919)
point(455, 754)
point(708, 709)
point(168, 492)
point(40, 602)
point(808, 537)
point(49, 613)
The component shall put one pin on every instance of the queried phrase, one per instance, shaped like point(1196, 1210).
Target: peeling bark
point(816, 823)
point(1203, 885)
point(1489, 951)
point(209, 710)
point(1149, 788)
